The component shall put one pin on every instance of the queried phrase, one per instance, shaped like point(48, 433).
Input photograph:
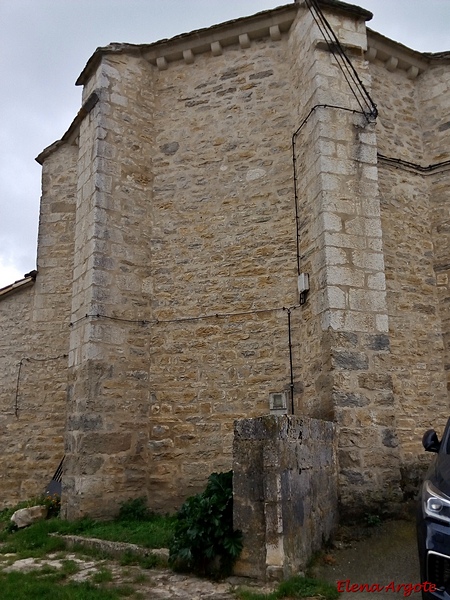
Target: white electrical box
point(303, 283)
point(278, 403)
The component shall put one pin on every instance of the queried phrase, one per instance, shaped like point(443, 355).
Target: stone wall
point(284, 491)
point(409, 209)
point(216, 237)
point(169, 242)
point(433, 93)
point(218, 232)
point(344, 360)
point(222, 244)
point(34, 345)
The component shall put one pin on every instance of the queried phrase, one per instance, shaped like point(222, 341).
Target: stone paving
point(153, 584)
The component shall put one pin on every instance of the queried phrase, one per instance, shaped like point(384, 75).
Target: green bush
point(204, 540)
point(53, 504)
point(134, 510)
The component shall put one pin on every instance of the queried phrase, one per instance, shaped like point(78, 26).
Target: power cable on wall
point(368, 109)
point(291, 361)
point(178, 319)
point(294, 166)
point(404, 164)
point(145, 322)
point(358, 89)
point(367, 106)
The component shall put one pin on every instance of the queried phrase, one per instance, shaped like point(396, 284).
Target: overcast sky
point(44, 45)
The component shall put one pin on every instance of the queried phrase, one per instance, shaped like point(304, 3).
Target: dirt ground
point(387, 558)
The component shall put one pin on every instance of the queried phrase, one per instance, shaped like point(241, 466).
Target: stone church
point(245, 219)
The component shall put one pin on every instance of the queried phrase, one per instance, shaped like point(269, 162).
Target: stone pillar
point(285, 492)
point(108, 398)
point(345, 358)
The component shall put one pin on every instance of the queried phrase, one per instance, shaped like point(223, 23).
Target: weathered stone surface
point(350, 399)
point(34, 344)
point(170, 148)
point(351, 361)
point(379, 342)
point(168, 239)
point(114, 548)
point(284, 491)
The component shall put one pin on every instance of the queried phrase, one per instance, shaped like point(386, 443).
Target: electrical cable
point(16, 399)
point(349, 72)
point(356, 86)
point(398, 162)
point(294, 166)
point(178, 319)
point(213, 316)
point(291, 362)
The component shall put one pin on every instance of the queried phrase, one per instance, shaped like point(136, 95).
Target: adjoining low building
point(203, 178)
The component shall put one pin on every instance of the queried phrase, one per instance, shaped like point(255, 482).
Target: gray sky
point(44, 45)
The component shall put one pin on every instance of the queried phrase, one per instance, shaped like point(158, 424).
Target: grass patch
point(35, 585)
point(102, 576)
point(146, 562)
point(140, 578)
point(295, 587)
point(69, 567)
point(85, 552)
point(125, 590)
point(135, 524)
point(33, 541)
point(157, 532)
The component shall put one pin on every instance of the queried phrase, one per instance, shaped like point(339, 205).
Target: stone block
point(336, 298)
point(340, 276)
point(104, 443)
point(379, 342)
point(350, 399)
point(367, 300)
point(285, 463)
point(27, 516)
point(375, 381)
point(350, 361)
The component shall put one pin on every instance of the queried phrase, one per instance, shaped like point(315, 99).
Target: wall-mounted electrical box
point(303, 283)
point(278, 403)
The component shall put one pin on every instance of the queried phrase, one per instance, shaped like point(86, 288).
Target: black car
point(433, 519)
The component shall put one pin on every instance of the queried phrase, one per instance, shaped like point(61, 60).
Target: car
point(433, 519)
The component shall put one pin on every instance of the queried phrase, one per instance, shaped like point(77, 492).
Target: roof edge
point(72, 131)
point(28, 280)
point(119, 48)
point(386, 47)
point(347, 8)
